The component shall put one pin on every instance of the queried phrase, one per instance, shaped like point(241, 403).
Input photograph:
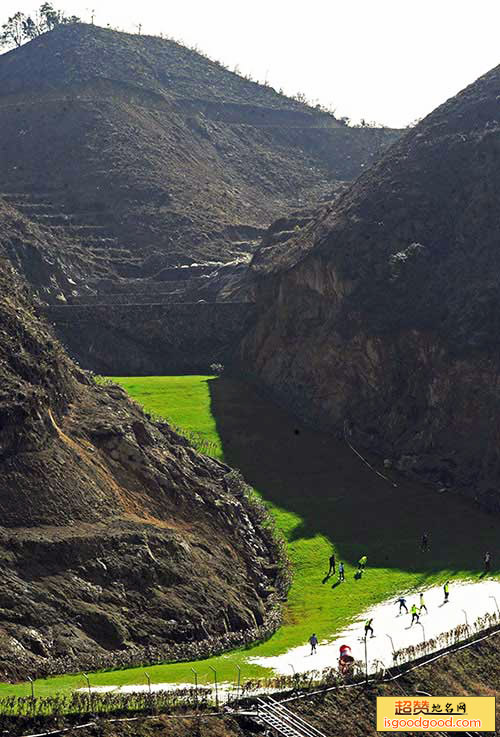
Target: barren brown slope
point(381, 316)
point(109, 519)
point(153, 156)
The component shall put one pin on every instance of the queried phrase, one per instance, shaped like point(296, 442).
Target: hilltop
point(148, 157)
point(109, 517)
point(379, 317)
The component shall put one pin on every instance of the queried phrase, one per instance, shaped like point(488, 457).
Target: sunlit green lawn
point(323, 498)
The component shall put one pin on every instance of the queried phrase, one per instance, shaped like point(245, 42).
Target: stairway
point(283, 721)
point(84, 232)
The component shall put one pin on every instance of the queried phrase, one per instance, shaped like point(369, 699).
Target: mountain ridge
point(178, 161)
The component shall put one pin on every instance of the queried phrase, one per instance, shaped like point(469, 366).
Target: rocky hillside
point(148, 157)
point(109, 519)
point(381, 315)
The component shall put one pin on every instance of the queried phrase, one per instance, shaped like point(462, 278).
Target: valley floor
point(324, 500)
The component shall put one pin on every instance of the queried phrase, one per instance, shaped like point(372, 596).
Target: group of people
point(415, 610)
point(331, 571)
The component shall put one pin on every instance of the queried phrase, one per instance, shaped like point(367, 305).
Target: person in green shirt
point(362, 563)
point(422, 604)
point(446, 589)
point(414, 614)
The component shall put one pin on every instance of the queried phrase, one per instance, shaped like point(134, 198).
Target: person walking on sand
point(331, 570)
point(422, 604)
point(446, 589)
point(362, 563)
point(368, 626)
point(341, 572)
point(313, 641)
point(487, 562)
point(424, 545)
point(402, 604)
point(414, 615)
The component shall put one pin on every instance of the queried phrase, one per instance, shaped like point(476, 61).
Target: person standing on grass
point(424, 545)
point(368, 627)
point(414, 614)
point(446, 589)
point(341, 572)
point(362, 563)
point(402, 604)
point(331, 570)
point(313, 641)
point(487, 562)
point(422, 604)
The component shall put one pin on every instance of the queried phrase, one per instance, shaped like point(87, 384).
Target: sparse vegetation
point(20, 27)
point(217, 369)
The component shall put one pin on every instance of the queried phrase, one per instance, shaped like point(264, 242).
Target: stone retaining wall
point(150, 339)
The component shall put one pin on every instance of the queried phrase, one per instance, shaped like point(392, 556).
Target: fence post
point(239, 686)
point(496, 602)
point(195, 686)
point(466, 620)
point(423, 631)
point(393, 648)
point(90, 691)
point(88, 683)
point(216, 687)
point(366, 659)
point(32, 705)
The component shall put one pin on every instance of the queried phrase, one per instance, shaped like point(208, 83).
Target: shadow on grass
point(317, 478)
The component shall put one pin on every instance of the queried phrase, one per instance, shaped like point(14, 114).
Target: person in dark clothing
point(313, 641)
point(487, 562)
point(402, 604)
point(425, 542)
point(368, 627)
point(331, 570)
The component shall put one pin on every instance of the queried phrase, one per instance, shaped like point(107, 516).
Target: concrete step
point(51, 219)
point(76, 229)
point(36, 208)
point(101, 243)
point(14, 196)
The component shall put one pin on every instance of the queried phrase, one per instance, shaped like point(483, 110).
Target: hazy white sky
point(390, 61)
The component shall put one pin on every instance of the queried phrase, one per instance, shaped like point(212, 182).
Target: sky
point(387, 61)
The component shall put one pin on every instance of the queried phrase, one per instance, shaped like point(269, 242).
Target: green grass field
point(323, 498)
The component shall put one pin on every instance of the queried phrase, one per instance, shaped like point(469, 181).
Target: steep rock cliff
point(381, 316)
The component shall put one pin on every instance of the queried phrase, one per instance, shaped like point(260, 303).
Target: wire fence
point(150, 700)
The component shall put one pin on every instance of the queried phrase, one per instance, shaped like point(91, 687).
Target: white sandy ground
point(467, 599)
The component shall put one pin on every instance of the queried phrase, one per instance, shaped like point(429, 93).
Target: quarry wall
point(150, 339)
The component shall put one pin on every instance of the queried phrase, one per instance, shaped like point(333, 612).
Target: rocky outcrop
point(119, 542)
point(380, 317)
